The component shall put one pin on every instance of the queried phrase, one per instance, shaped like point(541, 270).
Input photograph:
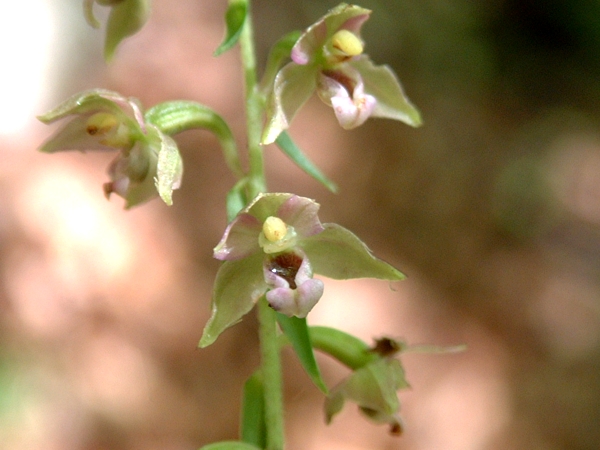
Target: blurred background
point(492, 209)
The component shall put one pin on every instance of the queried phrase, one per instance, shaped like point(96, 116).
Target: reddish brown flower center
point(286, 265)
point(343, 79)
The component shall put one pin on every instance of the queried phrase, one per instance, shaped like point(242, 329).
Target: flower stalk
point(269, 349)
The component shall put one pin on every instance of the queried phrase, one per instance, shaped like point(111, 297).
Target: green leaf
point(230, 445)
point(339, 254)
point(235, 17)
point(177, 116)
point(347, 349)
point(285, 143)
point(254, 429)
point(238, 286)
point(169, 169)
point(280, 51)
point(296, 331)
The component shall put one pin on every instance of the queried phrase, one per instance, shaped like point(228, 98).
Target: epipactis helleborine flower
point(126, 17)
point(148, 163)
point(328, 57)
point(273, 247)
point(373, 388)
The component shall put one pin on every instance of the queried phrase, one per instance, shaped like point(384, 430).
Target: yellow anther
point(274, 229)
point(347, 42)
point(100, 124)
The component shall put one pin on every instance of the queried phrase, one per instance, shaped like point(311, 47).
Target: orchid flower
point(273, 247)
point(328, 58)
point(148, 163)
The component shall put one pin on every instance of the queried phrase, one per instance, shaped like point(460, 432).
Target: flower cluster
point(148, 163)
point(328, 58)
point(273, 247)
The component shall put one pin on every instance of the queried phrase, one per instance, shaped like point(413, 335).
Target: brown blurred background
point(492, 209)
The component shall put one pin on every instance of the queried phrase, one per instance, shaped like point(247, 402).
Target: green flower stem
point(254, 110)
point(269, 348)
point(271, 372)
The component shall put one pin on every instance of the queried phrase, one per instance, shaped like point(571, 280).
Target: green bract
point(328, 58)
point(148, 163)
point(273, 247)
point(126, 17)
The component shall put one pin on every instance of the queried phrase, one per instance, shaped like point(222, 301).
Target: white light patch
point(26, 39)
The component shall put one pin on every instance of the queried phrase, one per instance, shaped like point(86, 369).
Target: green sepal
point(373, 388)
point(238, 286)
point(382, 83)
point(169, 169)
point(230, 445)
point(339, 254)
point(296, 331)
point(126, 18)
point(92, 101)
point(280, 51)
point(351, 351)
point(285, 143)
point(235, 17)
point(253, 427)
point(177, 116)
point(236, 199)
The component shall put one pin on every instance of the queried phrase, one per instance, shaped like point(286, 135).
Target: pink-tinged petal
point(296, 302)
point(382, 83)
point(240, 239)
point(354, 24)
point(267, 204)
point(339, 254)
point(293, 86)
point(295, 292)
point(349, 17)
point(343, 90)
point(238, 286)
point(301, 213)
point(132, 177)
point(353, 112)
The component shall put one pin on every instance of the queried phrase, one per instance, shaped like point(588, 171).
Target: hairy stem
point(254, 110)
point(269, 348)
point(271, 372)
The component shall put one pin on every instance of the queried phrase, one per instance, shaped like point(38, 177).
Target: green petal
point(339, 254)
point(125, 19)
point(235, 17)
point(92, 101)
point(169, 168)
point(280, 51)
point(238, 286)
point(294, 84)
point(374, 386)
point(72, 136)
point(382, 83)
